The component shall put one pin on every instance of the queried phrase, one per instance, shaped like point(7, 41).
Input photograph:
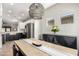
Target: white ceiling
point(18, 11)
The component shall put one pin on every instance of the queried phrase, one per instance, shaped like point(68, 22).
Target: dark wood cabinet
point(68, 41)
point(7, 37)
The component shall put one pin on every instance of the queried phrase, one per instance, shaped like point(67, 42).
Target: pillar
point(37, 29)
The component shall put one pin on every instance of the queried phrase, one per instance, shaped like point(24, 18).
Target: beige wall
point(56, 12)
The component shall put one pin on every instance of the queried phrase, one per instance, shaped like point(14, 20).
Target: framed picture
point(67, 19)
point(51, 22)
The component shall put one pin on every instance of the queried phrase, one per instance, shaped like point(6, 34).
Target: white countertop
point(14, 32)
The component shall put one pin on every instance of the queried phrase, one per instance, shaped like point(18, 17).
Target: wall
point(20, 26)
point(56, 12)
point(0, 26)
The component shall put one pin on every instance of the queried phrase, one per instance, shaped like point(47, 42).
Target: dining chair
point(16, 52)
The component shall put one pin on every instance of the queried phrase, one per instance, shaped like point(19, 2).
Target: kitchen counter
point(13, 32)
point(10, 36)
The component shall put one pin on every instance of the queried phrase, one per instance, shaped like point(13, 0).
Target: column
point(37, 29)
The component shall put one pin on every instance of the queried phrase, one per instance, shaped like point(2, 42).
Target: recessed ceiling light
point(8, 15)
point(9, 11)
point(27, 9)
point(19, 17)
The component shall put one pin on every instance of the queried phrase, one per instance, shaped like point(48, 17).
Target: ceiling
point(14, 12)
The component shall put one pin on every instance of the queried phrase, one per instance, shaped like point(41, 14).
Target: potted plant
point(55, 29)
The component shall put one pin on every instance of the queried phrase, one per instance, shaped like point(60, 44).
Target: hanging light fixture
point(36, 11)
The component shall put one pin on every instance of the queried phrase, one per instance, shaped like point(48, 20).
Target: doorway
point(29, 29)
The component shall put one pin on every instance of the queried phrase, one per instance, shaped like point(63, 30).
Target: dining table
point(36, 47)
